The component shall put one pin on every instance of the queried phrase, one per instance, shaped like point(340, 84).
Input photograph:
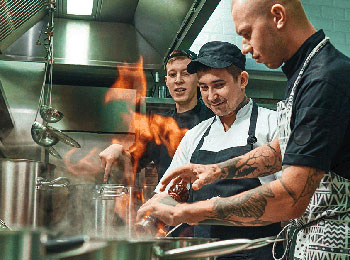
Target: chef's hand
point(197, 174)
point(113, 154)
point(166, 209)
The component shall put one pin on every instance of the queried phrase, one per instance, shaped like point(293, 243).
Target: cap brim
point(192, 67)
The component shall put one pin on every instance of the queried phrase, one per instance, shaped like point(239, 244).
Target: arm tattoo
point(260, 162)
point(168, 201)
point(311, 184)
point(235, 223)
point(250, 204)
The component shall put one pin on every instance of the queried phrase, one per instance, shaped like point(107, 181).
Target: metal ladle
point(48, 136)
point(42, 136)
point(50, 114)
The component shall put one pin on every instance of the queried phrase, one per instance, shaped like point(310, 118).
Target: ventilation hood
point(118, 31)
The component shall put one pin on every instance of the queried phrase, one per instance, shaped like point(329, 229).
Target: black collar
point(297, 60)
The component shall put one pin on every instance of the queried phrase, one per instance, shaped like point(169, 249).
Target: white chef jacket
point(218, 139)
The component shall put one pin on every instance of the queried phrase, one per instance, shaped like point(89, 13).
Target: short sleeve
point(320, 111)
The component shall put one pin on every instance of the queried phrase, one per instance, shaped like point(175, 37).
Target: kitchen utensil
point(53, 152)
point(63, 137)
point(172, 230)
point(99, 210)
point(3, 225)
point(64, 244)
point(48, 136)
point(201, 248)
point(43, 136)
point(50, 114)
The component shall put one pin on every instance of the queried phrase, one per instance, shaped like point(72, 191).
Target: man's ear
point(279, 14)
point(165, 79)
point(244, 79)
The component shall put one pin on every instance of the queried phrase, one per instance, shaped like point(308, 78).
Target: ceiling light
point(79, 7)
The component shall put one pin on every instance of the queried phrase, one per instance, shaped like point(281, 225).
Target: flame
point(160, 129)
point(130, 77)
point(88, 165)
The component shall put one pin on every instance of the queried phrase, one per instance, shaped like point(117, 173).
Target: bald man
point(313, 144)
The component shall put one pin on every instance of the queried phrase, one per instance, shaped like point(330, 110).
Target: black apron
point(226, 188)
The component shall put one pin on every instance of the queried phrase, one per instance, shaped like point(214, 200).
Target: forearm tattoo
point(260, 162)
point(168, 201)
point(311, 184)
point(250, 204)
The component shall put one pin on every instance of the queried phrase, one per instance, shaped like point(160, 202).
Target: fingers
point(107, 170)
point(184, 172)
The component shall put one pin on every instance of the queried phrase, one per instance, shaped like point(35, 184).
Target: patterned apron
point(323, 232)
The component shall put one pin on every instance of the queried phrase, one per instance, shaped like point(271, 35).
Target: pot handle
point(59, 182)
point(216, 248)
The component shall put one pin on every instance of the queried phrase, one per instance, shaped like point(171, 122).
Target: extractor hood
point(118, 31)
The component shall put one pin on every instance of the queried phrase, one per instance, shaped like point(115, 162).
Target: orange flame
point(130, 77)
point(160, 129)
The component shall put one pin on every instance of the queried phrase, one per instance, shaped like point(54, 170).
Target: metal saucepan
point(154, 249)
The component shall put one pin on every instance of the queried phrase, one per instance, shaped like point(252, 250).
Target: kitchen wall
point(265, 85)
point(333, 16)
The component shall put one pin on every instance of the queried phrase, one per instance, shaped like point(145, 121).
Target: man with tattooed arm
point(312, 147)
point(238, 127)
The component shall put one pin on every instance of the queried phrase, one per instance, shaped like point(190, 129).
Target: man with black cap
point(238, 127)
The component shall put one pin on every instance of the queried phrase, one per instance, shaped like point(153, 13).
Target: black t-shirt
point(320, 135)
point(187, 120)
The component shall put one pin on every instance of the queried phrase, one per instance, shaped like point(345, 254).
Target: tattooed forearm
point(168, 201)
point(260, 162)
point(250, 204)
point(235, 223)
point(312, 182)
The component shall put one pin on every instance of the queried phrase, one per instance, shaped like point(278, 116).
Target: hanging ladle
point(42, 136)
point(50, 114)
point(48, 136)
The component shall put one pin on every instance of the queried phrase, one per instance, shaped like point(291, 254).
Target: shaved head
point(271, 30)
point(263, 7)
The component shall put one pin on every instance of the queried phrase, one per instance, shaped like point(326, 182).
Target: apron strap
point(253, 119)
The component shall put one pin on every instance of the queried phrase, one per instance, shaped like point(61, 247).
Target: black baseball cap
point(218, 55)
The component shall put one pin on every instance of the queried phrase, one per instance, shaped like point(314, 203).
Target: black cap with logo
point(218, 55)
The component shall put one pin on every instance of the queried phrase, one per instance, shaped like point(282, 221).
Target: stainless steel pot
point(100, 210)
point(25, 194)
point(168, 243)
point(21, 245)
point(150, 250)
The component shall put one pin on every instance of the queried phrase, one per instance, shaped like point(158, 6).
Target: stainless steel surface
point(160, 249)
point(21, 204)
point(24, 244)
point(17, 17)
point(129, 29)
point(99, 210)
point(21, 82)
point(6, 121)
point(169, 243)
point(217, 248)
